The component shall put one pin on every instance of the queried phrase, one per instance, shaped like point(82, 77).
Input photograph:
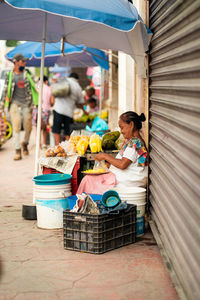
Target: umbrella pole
point(37, 150)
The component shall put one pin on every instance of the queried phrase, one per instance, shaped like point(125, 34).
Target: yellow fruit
point(82, 146)
point(95, 143)
point(95, 171)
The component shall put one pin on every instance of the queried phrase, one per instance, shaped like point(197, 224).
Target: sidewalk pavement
point(35, 265)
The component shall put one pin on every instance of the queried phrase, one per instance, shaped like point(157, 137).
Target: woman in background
point(47, 102)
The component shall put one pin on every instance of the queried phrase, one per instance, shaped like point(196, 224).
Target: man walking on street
point(19, 95)
point(63, 109)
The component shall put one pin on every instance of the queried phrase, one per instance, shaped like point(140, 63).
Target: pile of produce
point(109, 139)
point(58, 151)
point(95, 143)
point(82, 145)
point(79, 144)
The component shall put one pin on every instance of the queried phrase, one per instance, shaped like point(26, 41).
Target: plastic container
point(130, 190)
point(99, 233)
point(71, 200)
point(136, 196)
point(52, 179)
point(50, 213)
point(110, 198)
point(50, 193)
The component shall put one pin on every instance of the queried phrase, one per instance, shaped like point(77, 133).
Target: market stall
point(76, 155)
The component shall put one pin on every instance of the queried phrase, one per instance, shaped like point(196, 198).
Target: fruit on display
point(58, 151)
point(77, 114)
point(83, 119)
point(103, 114)
point(95, 143)
point(119, 142)
point(108, 140)
point(108, 145)
point(82, 145)
point(95, 171)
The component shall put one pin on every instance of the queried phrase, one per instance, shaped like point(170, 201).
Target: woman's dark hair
point(74, 75)
point(131, 116)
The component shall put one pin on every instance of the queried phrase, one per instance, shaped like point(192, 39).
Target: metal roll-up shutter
point(174, 180)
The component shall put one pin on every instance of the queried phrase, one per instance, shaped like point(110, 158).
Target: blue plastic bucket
point(71, 200)
point(52, 179)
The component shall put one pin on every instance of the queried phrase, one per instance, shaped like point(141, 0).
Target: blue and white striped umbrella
point(74, 56)
point(102, 24)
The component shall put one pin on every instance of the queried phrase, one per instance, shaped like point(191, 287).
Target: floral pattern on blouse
point(139, 146)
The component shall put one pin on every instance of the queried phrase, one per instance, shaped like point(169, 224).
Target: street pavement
point(35, 265)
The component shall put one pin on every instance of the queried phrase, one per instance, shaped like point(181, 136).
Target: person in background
point(19, 95)
point(129, 167)
point(47, 102)
point(63, 109)
point(92, 106)
point(90, 93)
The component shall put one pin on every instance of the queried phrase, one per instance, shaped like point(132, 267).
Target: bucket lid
point(52, 179)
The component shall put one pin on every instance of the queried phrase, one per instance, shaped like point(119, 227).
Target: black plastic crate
point(99, 233)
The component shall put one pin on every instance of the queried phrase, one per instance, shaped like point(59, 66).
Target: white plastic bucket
point(50, 213)
point(130, 190)
point(140, 226)
point(133, 197)
point(51, 201)
point(40, 192)
point(136, 196)
point(139, 216)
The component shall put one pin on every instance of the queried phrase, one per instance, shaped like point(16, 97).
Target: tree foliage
point(12, 43)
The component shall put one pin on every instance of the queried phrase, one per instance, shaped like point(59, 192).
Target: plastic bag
point(100, 166)
point(75, 137)
point(95, 143)
point(97, 125)
point(82, 145)
point(69, 147)
point(61, 88)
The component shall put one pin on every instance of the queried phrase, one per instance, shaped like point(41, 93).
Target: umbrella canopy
point(75, 56)
point(107, 24)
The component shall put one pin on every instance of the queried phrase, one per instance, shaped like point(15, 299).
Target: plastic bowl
point(52, 179)
point(110, 198)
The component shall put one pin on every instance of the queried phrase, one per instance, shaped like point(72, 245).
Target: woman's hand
point(100, 156)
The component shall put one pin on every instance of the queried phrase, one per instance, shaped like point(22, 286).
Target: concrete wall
point(112, 103)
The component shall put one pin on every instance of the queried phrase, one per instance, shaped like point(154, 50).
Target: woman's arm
point(122, 163)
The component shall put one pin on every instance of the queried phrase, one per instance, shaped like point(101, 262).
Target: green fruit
point(113, 136)
point(108, 145)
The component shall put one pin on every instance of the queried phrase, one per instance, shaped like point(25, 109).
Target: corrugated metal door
point(174, 189)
